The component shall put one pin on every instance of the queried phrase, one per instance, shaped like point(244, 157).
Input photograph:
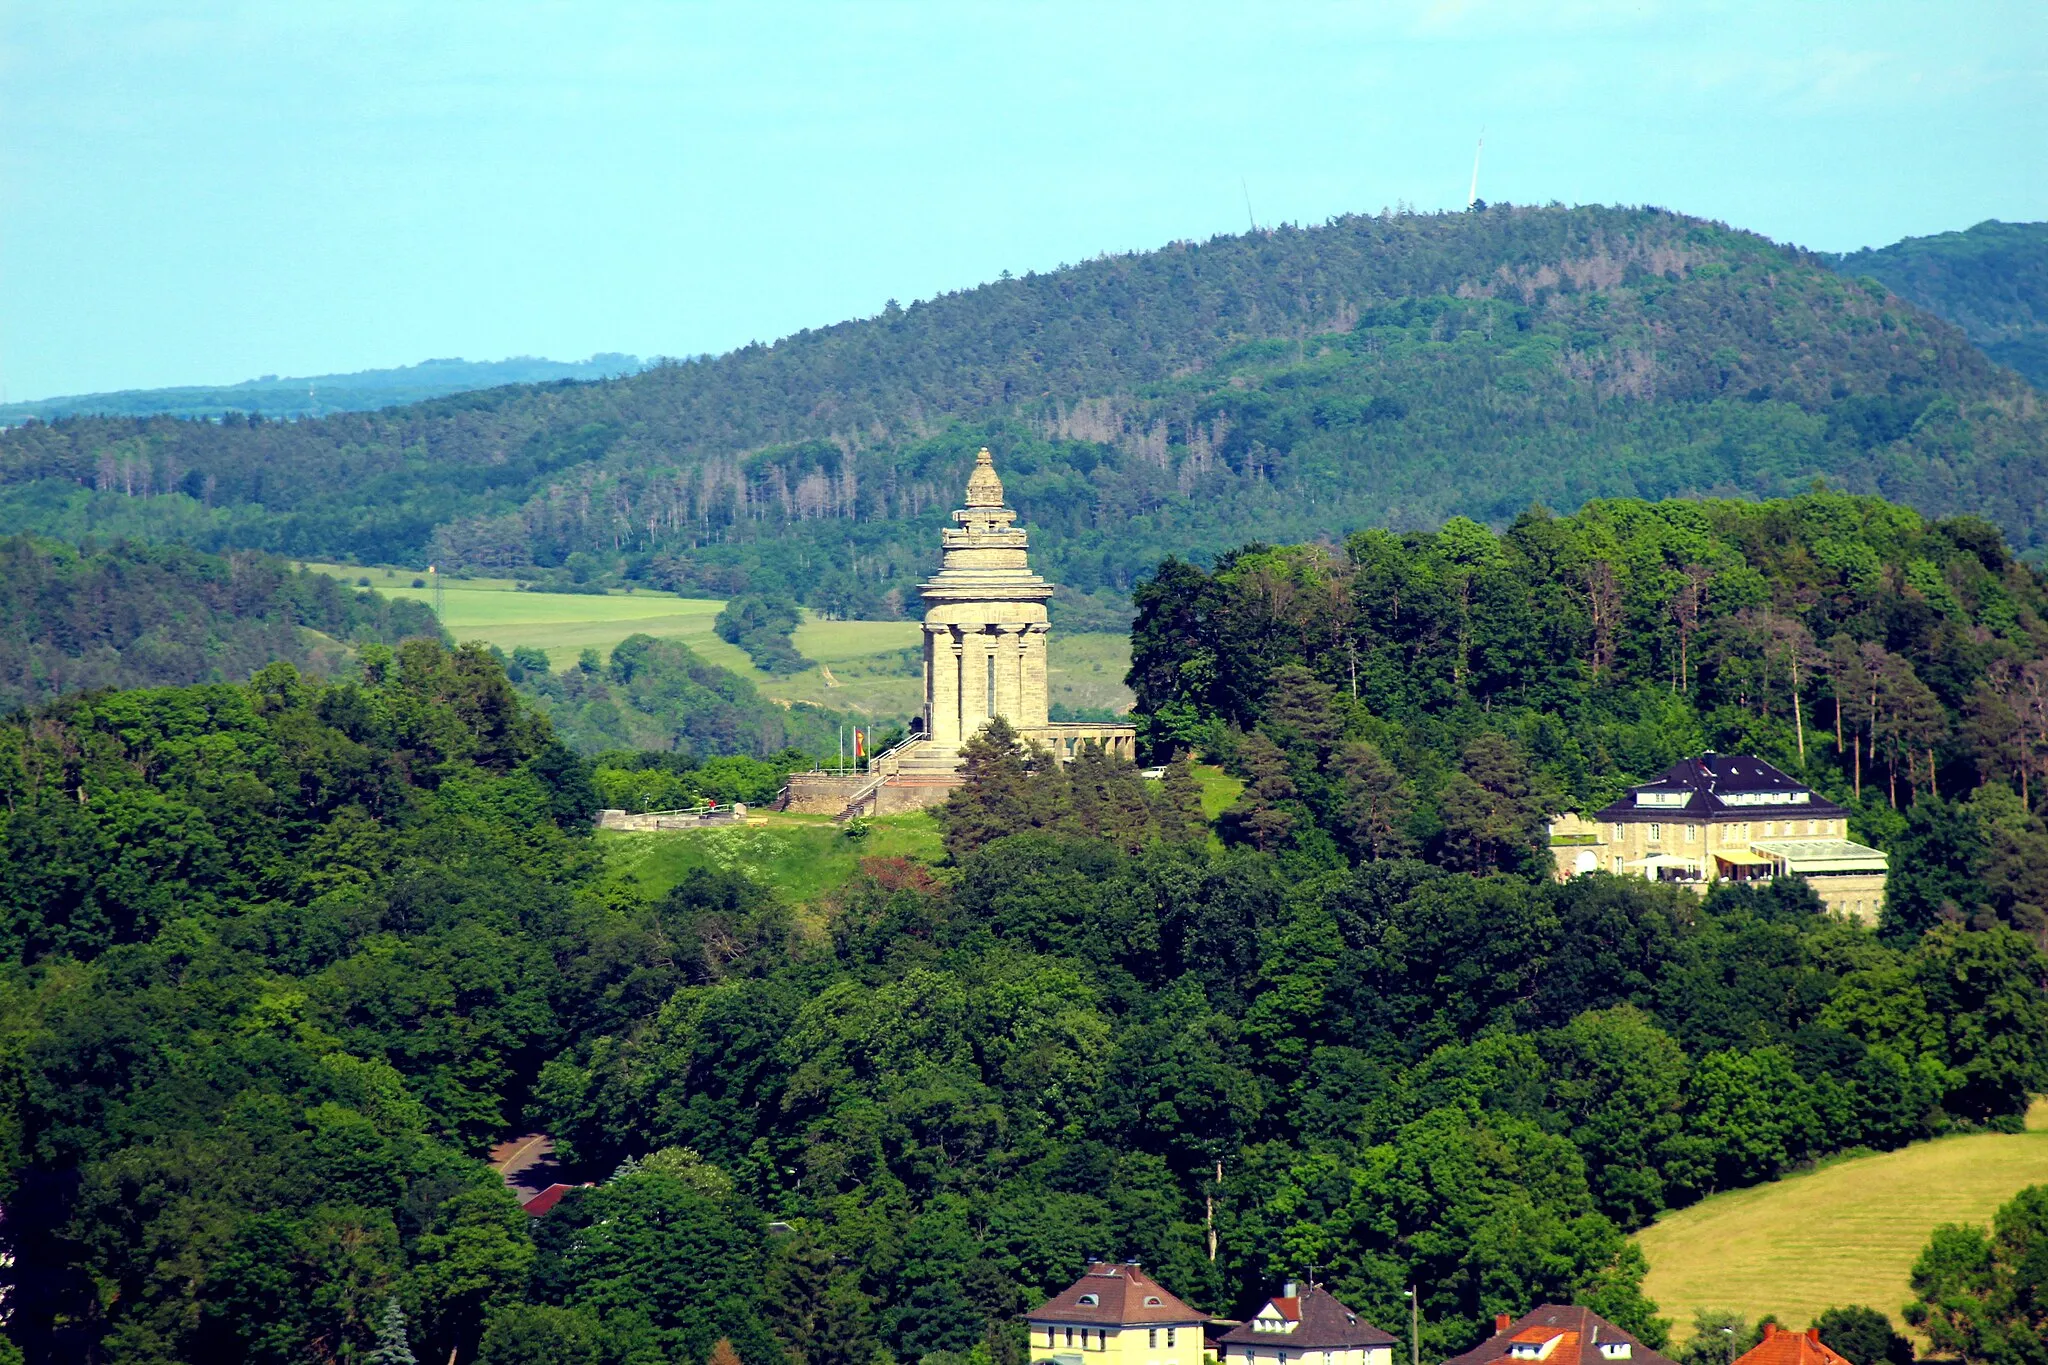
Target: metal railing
point(881, 768)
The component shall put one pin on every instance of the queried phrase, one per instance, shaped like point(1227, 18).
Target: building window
point(1070, 1336)
point(1656, 833)
point(1692, 832)
point(1169, 1338)
point(1090, 1300)
point(1617, 864)
point(1152, 1338)
point(991, 684)
point(1770, 828)
point(1617, 834)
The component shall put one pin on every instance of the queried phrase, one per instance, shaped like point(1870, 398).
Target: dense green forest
point(1991, 281)
point(286, 957)
point(1388, 371)
point(1441, 691)
point(320, 394)
point(658, 695)
point(125, 614)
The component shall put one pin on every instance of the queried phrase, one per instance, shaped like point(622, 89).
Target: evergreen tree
point(996, 795)
point(392, 1347)
point(1375, 803)
point(1266, 813)
point(1180, 817)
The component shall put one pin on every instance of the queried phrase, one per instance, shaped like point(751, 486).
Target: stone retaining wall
point(821, 793)
point(620, 819)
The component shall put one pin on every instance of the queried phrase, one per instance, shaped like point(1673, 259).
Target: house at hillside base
point(1558, 1335)
point(1294, 1328)
point(1782, 1347)
point(1725, 817)
point(985, 629)
point(1115, 1314)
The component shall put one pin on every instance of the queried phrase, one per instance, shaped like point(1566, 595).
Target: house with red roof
point(1557, 1334)
point(1780, 1347)
point(1294, 1328)
point(1115, 1314)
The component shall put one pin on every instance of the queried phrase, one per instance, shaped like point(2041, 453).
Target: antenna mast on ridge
point(1473, 197)
point(1248, 203)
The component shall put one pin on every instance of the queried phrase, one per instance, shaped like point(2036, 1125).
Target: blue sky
point(201, 193)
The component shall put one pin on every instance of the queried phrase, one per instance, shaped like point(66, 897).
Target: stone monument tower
point(984, 656)
point(984, 622)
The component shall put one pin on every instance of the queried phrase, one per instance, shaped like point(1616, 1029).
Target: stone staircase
point(915, 773)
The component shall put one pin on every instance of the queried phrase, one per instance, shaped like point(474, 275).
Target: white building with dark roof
point(1726, 817)
point(1294, 1328)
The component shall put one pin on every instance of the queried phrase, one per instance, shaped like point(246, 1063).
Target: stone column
point(1035, 689)
point(1004, 641)
point(945, 704)
point(973, 681)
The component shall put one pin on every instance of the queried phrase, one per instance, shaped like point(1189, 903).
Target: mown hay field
point(1846, 1232)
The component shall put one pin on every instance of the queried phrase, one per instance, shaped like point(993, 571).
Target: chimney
point(1500, 1322)
point(1290, 1290)
point(1813, 1335)
point(1770, 1330)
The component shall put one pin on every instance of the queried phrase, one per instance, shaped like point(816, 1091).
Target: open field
point(1219, 789)
point(859, 663)
point(1847, 1232)
point(801, 856)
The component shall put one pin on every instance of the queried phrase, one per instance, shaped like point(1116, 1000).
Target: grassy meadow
point(801, 856)
point(859, 665)
point(1846, 1232)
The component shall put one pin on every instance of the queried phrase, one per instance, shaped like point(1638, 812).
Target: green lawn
point(859, 668)
point(802, 856)
point(1219, 789)
point(1845, 1233)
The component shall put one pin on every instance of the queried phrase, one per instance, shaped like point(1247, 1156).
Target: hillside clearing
point(1847, 1232)
point(801, 856)
point(860, 666)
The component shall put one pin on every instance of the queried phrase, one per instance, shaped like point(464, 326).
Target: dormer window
point(1091, 1300)
point(1616, 1350)
point(1154, 1301)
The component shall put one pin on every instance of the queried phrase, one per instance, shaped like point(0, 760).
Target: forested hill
point(319, 394)
point(1991, 281)
point(126, 615)
point(1377, 370)
point(283, 960)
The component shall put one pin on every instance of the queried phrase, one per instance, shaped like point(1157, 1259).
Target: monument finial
point(984, 489)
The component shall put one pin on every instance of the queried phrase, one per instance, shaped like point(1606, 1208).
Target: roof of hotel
point(1324, 1324)
point(1115, 1295)
point(1560, 1335)
point(1722, 785)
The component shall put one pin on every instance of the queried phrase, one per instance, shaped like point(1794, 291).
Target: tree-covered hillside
point(1444, 692)
point(319, 394)
point(127, 614)
point(283, 959)
point(657, 695)
point(1991, 281)
point(1373, 371)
